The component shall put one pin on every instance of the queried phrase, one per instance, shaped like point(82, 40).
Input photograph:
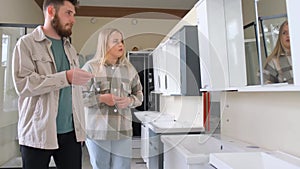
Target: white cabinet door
point(163, 67)
point(221, 44)
point(159, 69)
point(173, 67)
point(212, 44)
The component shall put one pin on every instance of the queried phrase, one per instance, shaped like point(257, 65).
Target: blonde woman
point(115, 89)
point(278, 66)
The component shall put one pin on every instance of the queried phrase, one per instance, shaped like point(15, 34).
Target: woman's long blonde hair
point(278, 49)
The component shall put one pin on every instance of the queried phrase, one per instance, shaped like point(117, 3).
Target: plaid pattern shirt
point(105, 122)
point(279, 70)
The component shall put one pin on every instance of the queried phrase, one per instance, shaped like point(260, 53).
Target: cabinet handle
point(158, 81)
point(166, 81)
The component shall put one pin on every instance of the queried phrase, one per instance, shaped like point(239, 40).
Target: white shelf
point(219, 89)
point(258, 88)
point(270, 88)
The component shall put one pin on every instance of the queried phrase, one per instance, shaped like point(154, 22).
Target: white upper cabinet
point(183, 62)
point(177, 63)
point(221, 44)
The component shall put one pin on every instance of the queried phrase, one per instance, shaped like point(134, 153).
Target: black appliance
point(143, 63)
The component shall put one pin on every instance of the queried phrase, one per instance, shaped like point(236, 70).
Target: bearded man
point(47, 78)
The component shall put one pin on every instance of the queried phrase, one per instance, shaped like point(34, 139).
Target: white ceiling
point(162, 4)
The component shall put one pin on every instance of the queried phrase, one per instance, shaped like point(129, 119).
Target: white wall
point(266, 119)
point(185, 108)
point(20, 11)
point(144, 33)
point(28, 12)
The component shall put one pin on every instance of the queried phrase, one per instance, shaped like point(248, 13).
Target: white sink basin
point(251, 160)
point(183, 151)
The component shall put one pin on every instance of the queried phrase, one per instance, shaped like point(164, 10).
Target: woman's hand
point(107, 99)
point(122, 102)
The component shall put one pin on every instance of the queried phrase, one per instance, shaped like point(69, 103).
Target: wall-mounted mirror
point(271, 14)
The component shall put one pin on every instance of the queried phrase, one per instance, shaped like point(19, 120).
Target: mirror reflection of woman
point(115, 89)
point(278, 65)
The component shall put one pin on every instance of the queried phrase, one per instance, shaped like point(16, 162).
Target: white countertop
point(166, 123)
point(152, 116)
point(175, 127)
point(254, 160)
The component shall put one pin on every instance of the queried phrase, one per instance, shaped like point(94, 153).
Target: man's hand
point(78, 76)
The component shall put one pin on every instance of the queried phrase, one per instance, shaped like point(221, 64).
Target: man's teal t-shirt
point(64, 119)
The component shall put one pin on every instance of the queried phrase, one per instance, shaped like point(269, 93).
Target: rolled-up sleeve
point(137, 92)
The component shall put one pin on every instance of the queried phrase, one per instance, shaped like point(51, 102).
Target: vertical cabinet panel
point(221, 44)
point(145, 144)
point(173, 66)
point(294, 27)
point(212, 44)
point(159, 69)
point(235, 43)
point(155, 71)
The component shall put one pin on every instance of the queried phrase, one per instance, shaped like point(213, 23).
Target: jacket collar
point(40, 36)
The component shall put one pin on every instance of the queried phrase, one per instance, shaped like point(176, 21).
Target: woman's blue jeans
point(110, 154)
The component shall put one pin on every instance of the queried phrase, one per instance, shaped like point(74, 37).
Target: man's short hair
point(57, 3)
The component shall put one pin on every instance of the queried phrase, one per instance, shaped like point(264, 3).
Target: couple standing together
point(54, 118)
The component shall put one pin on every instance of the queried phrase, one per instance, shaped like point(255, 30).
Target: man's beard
point(59, 28)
